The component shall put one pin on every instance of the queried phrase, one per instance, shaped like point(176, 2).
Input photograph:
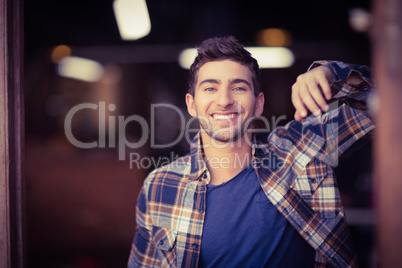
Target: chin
point(228, 136)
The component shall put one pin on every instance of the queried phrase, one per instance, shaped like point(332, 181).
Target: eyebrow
point(239, 80)
point(232, 81)
point(212, 81)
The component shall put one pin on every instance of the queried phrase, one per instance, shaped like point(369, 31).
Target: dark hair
point(219, 49)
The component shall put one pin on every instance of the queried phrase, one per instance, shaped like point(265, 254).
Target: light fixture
point(272, 57)
point(360, 19)
point(132, 18)
point(187, 57)
point(274, 37)
point(80, 68)
point(60, 52)
point(267, 57)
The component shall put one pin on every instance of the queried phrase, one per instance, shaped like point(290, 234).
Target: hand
point(309, 90)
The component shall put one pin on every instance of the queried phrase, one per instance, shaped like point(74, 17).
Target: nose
point(225, 98)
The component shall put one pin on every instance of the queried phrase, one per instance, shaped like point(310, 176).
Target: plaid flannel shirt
point(171, 204)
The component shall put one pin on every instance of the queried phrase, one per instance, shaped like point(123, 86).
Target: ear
point(190, 105)
point(259, 104)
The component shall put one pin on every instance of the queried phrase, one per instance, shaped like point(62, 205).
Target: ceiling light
point(267, 57)
point(60, 52)
point(132, 18)
point(80, 68)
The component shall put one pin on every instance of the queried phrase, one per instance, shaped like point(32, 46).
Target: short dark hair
point(219, 49)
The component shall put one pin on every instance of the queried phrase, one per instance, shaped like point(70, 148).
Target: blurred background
point(80, 202)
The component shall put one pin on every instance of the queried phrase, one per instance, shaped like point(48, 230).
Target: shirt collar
point(197, 164)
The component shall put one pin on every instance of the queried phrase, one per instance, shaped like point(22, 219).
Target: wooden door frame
point(11, 134)
point(387, 58)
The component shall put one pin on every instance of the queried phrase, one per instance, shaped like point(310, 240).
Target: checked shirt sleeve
point(340, 71)
point(349, 119)
point(143, 251)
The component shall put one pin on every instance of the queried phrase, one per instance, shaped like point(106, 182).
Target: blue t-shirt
point(243, 229)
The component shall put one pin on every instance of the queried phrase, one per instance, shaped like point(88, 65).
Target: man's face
point(224, 100)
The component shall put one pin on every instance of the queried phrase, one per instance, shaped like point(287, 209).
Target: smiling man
point(226, 204)
point(224, 101)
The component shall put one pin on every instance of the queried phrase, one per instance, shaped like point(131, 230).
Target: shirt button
point(195, 246)
point(205, 175)
point(161, 242)
point(200, 211)
point(313, 180)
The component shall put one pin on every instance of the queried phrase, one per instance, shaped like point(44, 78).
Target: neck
point(226, 159)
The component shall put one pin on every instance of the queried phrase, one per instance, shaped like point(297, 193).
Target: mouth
point(225, 116)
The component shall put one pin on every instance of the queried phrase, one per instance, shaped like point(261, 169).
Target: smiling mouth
point(225, 116)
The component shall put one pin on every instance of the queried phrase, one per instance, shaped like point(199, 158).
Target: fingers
point(297, 101)
point(314, 97)
point(298, 117)
point(326, 89)
point(311, 92)
point(307, 97)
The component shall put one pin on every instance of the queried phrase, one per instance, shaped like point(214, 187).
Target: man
point(242, 200)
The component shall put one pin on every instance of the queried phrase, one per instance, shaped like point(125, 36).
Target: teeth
point(221, 116)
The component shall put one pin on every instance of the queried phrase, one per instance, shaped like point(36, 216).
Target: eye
point(210, 89)
point(239, 89)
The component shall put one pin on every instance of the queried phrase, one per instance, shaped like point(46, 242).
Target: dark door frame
point(11, 134)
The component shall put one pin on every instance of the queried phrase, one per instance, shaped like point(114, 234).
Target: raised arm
point(325, 79)
point(330, 133)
